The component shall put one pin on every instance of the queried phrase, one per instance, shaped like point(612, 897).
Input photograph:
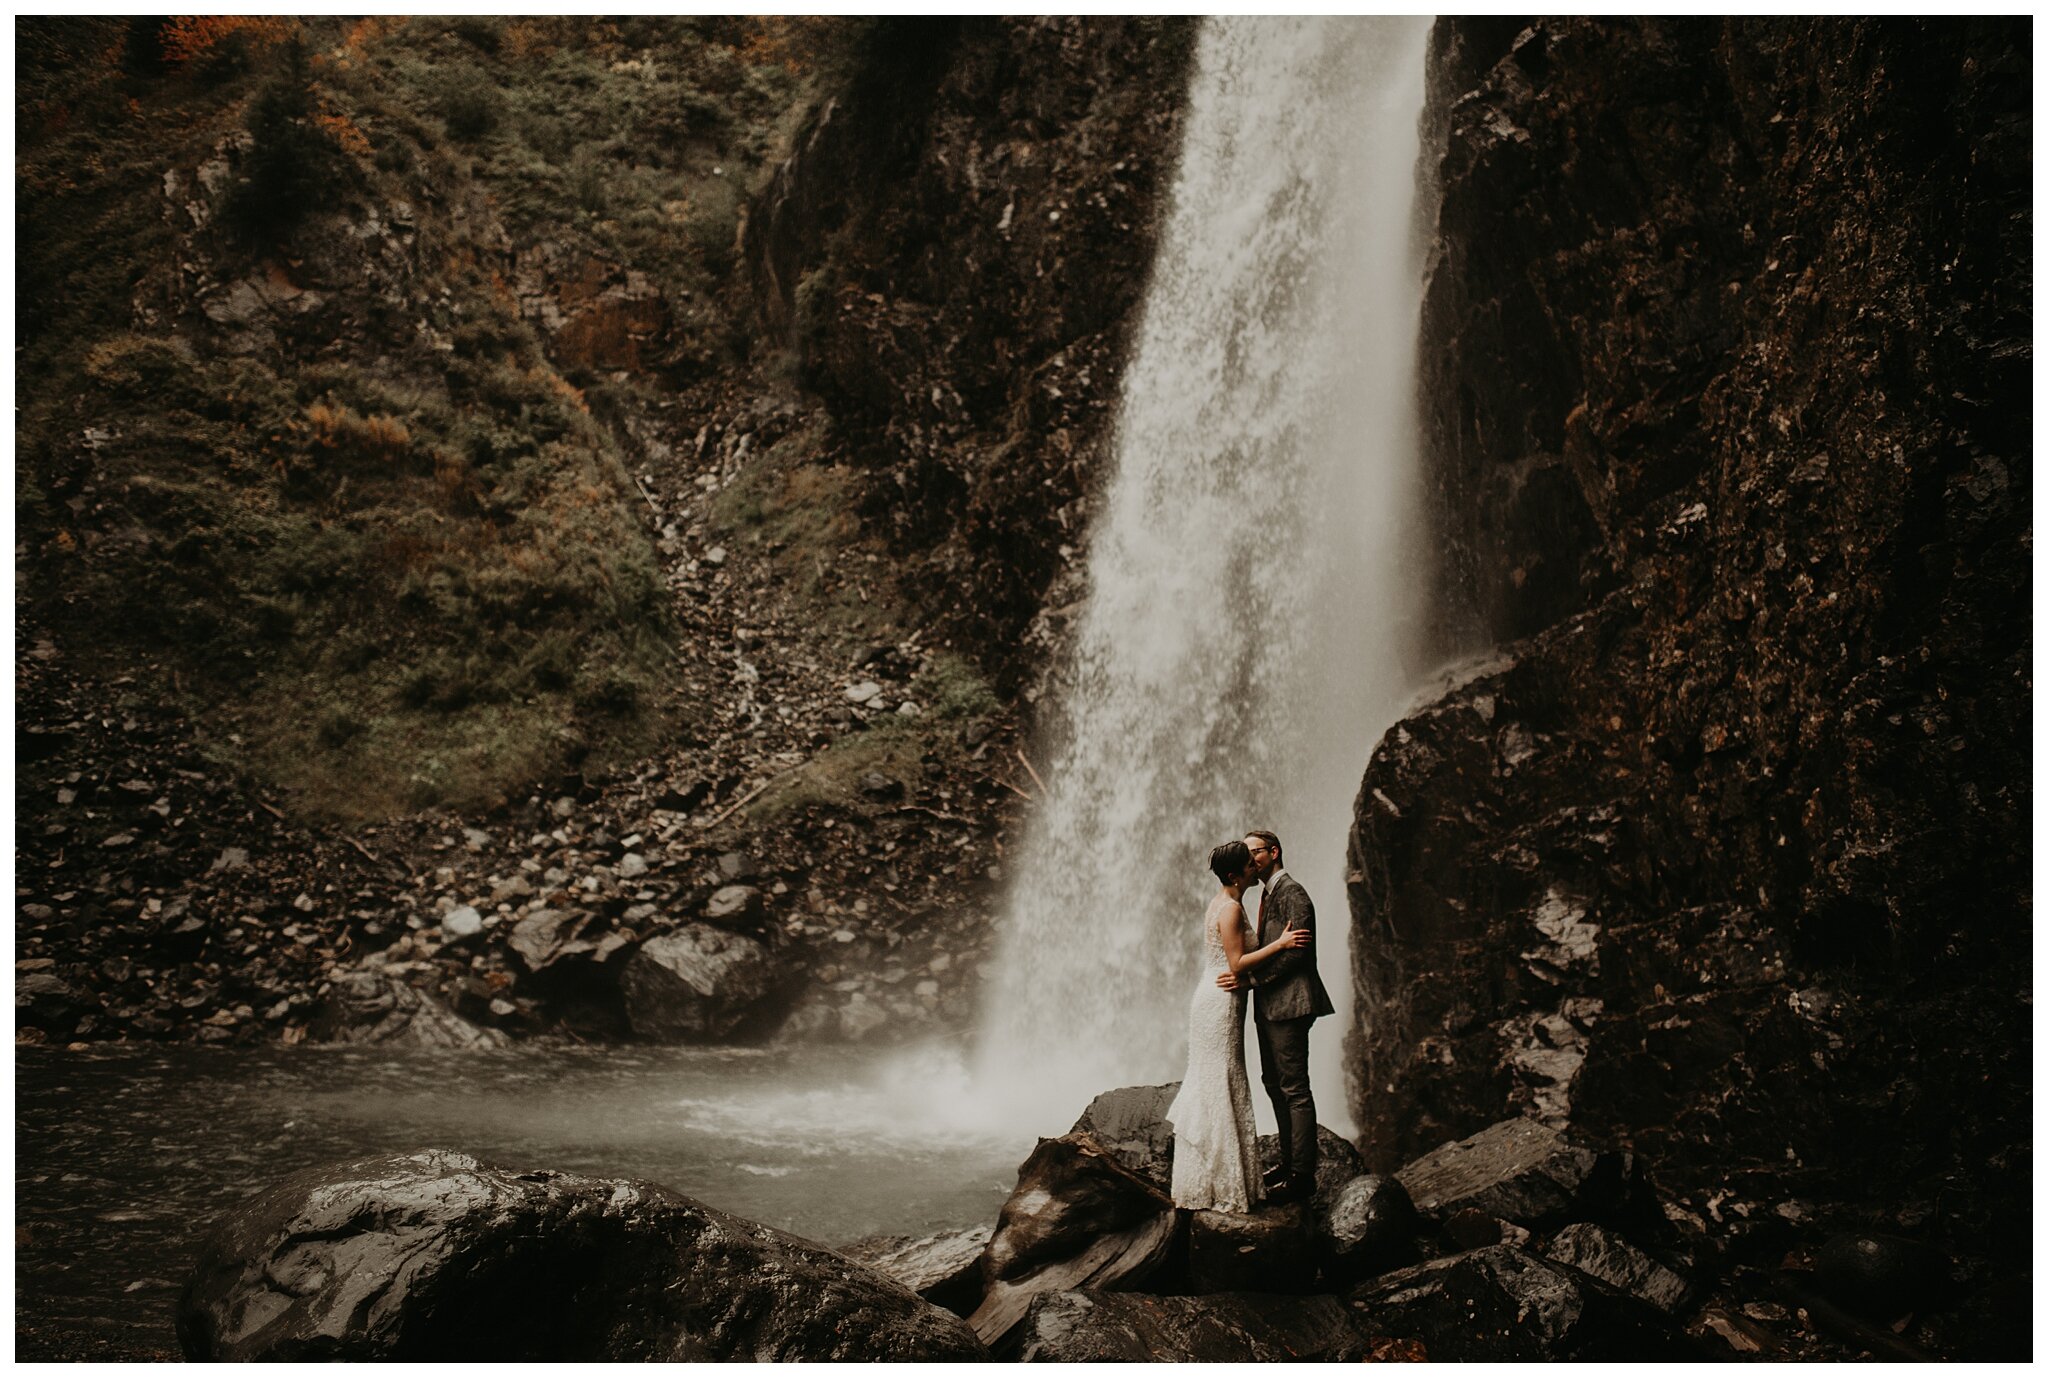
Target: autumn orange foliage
point(364, 32)
point(371, 437)
point(790, 42)
point(190, 38)
point(347, 136)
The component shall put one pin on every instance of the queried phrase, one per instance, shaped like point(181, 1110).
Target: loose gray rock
point(861, 1019)
point(632, 865)
point(1519, 1170)
point(1502, 1304)
point(46, 1000)
point(462, 922)
point(698, 984)
point(1243, 1327)
point(546, 936)
point(1131, 1123)
point(432, 1256)
point(733, 902)
point(1879, 1275)
point(944, 1269)
point(880, 787)
point(1371, 1226)
point(369, 1004)
point(1620, 1265)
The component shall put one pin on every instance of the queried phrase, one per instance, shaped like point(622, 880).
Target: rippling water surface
point(124, 1155)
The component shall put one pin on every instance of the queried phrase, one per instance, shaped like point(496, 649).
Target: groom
point(1287, 997)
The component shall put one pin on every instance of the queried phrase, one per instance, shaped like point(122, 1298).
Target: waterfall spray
point(1249, 627)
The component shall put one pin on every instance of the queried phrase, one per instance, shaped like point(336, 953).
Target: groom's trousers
point(1283, 1066)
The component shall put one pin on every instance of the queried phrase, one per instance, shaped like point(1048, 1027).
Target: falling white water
point(1254, 595)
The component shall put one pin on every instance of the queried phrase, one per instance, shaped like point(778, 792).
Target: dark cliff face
point(955, 255)
point(1725, 368)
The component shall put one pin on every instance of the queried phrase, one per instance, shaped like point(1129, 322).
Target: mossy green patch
point(893, 747)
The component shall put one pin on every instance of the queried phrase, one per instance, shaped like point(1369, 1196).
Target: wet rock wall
point(1720, 850)
point(955, 255)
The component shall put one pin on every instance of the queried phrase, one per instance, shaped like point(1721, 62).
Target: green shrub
point(481, 31)
point(294, 166)
point(588, 183)
point(339, 727)
point(548, 135)
point(714, 224)
point(469, 105)
point(614, 690)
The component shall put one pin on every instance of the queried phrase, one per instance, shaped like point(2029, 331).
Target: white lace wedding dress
point(1215, 1143)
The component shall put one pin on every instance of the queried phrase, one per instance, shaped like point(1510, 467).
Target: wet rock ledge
point(432, 1255)
point(1518, 1243)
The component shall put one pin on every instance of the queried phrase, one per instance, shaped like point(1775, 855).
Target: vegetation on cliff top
point(288, 435)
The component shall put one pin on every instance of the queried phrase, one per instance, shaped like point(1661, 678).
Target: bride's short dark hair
point(1230, 860)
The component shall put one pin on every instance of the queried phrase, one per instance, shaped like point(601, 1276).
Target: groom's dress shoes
point(1287, 1193)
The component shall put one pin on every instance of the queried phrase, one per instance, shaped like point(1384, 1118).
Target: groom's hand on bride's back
point(1229, 980)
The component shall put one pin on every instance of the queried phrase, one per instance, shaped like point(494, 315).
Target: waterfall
point(1253, 595)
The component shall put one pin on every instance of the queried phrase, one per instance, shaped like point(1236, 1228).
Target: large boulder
point(1518, 1170)
point(1273, 1249)
point(696, 985)
point(375, 1004)
point(45, 1000)
point(432, 1256)
point(1502, 1304)
point(1078, 1218)
point(944, 1269)
point(1244, 1327)
point(1131, 1123)
point(1371, 1226)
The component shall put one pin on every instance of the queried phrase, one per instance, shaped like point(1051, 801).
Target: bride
point(1215, 1153)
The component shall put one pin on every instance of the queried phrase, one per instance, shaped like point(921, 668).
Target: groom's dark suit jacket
point(1286, 986)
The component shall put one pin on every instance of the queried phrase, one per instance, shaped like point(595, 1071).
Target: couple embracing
point(1216, 1155)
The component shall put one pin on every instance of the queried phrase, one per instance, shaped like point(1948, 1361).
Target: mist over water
point(1251, 622)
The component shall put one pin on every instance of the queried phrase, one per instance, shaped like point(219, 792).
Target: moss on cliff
point(318, 466)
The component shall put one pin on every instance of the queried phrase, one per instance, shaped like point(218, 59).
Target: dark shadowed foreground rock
point(369, 1004)
point(1103, 1327)
point(1880, 1275)
point(1131, 1123)
point(1502, 1304)
point(1078, 1218)
point(944, 1269)
point(1620, 1265)
point(1271, 1250)
point(697, 984)
point(1370, 1227)
point(1131, 1257)
point(1518, 1170)
point(432, 1256)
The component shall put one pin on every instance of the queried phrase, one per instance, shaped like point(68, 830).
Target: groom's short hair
point(1230, 859)
point(1271, 840)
